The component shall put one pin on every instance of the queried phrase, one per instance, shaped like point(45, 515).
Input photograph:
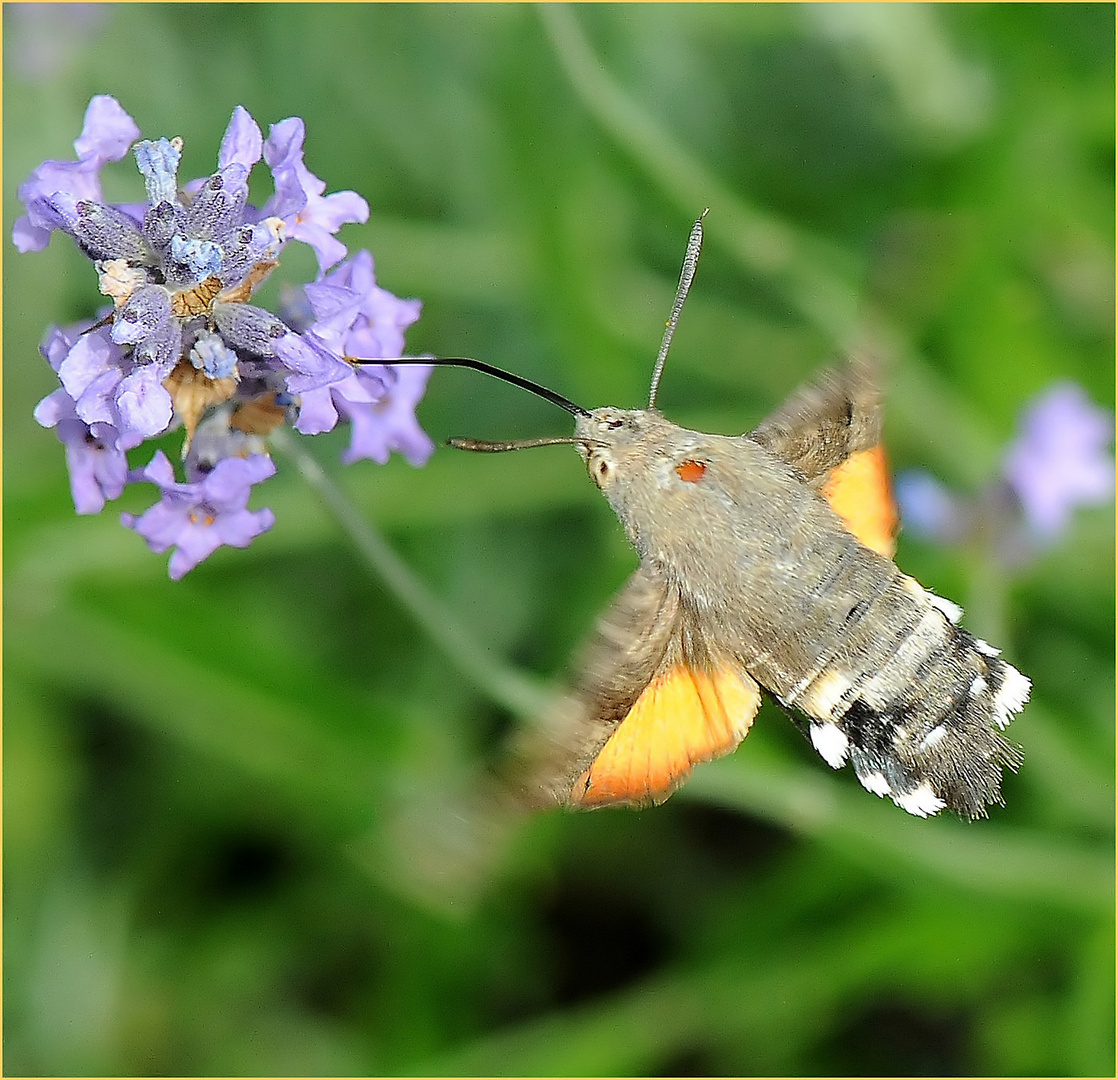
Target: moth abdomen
point(929, 739)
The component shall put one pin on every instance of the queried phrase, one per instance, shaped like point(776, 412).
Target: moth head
point(609, 440)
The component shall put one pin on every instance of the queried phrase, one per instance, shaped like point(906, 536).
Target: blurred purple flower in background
point(41, 40)
point(1060, 460)
point(181, 346)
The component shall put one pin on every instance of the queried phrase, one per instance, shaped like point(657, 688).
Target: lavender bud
point(218, 207)
point(107, 233)
point(148, 308)
point(245, 326)
point(160, 224)
point(159, 163)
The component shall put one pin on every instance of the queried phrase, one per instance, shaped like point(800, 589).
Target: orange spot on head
point(691, 471)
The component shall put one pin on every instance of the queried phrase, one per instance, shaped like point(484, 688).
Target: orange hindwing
point(860, 493)
point(684, 716)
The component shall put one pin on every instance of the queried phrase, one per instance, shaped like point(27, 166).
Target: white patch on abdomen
point(921, 801)
point(824, 694)
point(832, 744)
point(1011, 695)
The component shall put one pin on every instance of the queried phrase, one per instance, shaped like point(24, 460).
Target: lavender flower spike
point(182, 346)
point(196, 519)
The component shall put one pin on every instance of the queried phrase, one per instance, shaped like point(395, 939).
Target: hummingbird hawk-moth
point(765, 564)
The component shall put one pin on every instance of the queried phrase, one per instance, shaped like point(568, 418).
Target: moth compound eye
point(600, 469)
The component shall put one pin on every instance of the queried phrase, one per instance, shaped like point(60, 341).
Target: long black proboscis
point(488, 369)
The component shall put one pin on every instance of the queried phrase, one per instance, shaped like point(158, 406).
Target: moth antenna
point(690, 261)
point(485, 446)
point(488, 369)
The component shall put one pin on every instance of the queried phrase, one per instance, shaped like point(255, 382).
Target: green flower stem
point(503, 685)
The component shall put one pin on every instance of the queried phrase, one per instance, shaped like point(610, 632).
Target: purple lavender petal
point(95, 409)
point(317, 412)
point(143, 401)
point(240, 528)
point(59, 340)
point(97, 404)
point(157, 471)
point(233, 530)
point(160, 525)
point(390, 423)
point(375, 435)
point(242, 142)
point(339, 208)
point(283, 151)
point(379, 333)
point(310, 365)
point(335, 308)
point(28, 236)
point(54, 408)
point(96, 462)
point(88, 359)
point(1060, 459)
point(357, 273)
point(328, 249)
point(227, 487)
point(310, 217)
point(356, 316)
point(95, 457)
point(107, 133)
point(199, 518)
point(378, 330)
point(318, 407)
point(193, 546)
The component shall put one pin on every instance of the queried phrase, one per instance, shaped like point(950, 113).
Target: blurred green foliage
point(238, 829)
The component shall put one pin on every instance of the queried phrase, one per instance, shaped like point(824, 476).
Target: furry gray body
point(762, 567)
